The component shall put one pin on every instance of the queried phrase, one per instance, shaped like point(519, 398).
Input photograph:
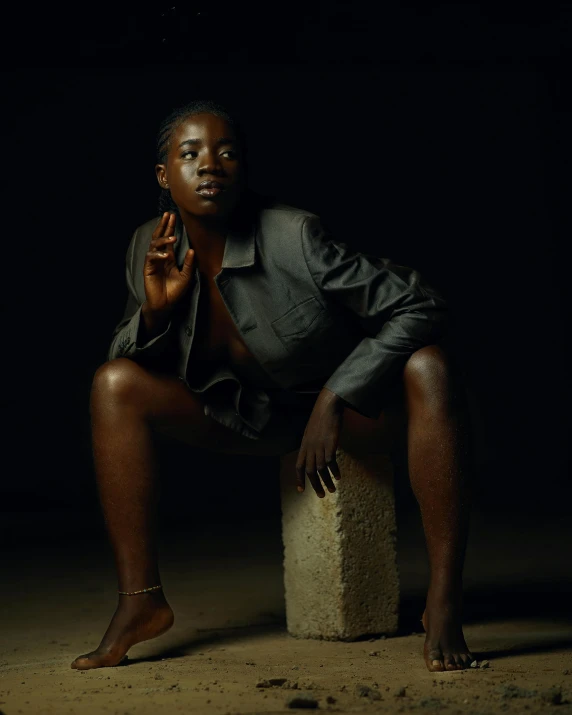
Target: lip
point(209, 193)
point(210, 184)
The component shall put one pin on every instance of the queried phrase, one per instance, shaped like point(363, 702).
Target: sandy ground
point(58, 597)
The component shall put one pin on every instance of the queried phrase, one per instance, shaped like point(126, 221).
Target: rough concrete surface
point(340, 568)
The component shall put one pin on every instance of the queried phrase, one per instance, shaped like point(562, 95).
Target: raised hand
point(164, 283)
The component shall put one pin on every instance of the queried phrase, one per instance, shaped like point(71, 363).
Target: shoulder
point(279, 217)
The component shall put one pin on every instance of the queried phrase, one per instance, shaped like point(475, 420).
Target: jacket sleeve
point(397, 310)
point(126, 339)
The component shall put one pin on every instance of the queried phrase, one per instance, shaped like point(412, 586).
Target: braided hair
point(169, 126)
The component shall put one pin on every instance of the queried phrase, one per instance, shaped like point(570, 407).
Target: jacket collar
point(239, 249)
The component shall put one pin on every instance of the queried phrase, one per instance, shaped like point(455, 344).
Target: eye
point(185, 153)
point(231, 154)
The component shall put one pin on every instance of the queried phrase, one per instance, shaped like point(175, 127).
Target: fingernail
point(300, 489)
point(321, 495)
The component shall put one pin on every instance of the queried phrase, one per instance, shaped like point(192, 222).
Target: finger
point(332, 464)
point(170, 228)
point(163, 244)
point(160, 228)
point(155, 257)
point(322, 469)
point(186, 270)
point(325, 476)
point(312, 475)
point(300, 470)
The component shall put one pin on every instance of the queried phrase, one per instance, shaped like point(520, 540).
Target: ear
point(161, 172)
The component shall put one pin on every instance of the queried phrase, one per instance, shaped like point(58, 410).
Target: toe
point(82, 662)
point(96, 660)
point(434, 661)
point(458, 661)
point(465, 660)
point(449, 662)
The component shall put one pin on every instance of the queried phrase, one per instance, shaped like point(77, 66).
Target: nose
point(210, 164)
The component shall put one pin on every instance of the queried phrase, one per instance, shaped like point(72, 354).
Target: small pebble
point(331, 700)
point(364, 691)
point(400, 693)
point(484, 664)
point(374, 652)
point(277, 681)
point(474, 664)
point(302, 701)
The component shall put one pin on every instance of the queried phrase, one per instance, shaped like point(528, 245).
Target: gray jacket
point(306, 305)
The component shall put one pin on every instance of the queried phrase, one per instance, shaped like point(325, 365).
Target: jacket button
point(188, 330)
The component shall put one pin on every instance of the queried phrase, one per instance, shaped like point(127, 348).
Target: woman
point(249, 330)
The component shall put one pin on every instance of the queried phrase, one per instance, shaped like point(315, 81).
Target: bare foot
point(445, 647)
point(137, 618)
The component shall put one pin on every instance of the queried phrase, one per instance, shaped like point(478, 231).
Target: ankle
point(141, 591)
point(143, 601)
point(443, 589)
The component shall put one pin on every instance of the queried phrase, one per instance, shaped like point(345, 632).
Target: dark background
point(453, 117)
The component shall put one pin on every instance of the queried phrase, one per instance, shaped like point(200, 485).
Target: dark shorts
point(290, 415)
point(291, 412)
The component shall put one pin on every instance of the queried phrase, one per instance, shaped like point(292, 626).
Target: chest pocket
point(302, 326)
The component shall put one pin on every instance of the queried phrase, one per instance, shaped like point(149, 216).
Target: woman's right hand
point(164, 283)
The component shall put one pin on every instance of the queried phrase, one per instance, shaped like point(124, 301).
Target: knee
point(428, 374)
point(119, 380)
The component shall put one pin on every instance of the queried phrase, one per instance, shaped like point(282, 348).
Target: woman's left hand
point(319, 444)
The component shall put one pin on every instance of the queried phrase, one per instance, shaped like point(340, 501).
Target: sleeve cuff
point(128, 342)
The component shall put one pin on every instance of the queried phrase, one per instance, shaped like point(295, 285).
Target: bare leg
point(430, 417)
point(127, 404)
point(439, 469)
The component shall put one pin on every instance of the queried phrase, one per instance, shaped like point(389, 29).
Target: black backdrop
point(453, 120)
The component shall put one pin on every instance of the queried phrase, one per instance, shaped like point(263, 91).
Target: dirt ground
point(58, 597)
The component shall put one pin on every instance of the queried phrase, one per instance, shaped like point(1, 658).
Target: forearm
point(331, 399)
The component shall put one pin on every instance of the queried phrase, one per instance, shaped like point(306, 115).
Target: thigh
point(364, 435)
point(175, 412)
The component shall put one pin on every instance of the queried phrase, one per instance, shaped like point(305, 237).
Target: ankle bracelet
point(143, 590)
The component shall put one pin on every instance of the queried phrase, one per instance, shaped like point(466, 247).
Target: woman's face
point(204, 148)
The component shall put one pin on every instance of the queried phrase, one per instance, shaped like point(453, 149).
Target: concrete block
point(340, 567)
